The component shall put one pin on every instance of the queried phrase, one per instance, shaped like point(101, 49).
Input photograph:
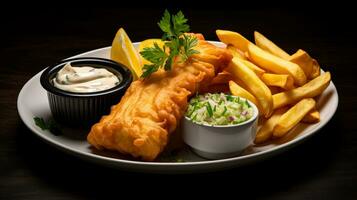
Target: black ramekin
point(83, 109)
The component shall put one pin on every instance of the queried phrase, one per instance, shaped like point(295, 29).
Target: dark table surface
point(323, 167)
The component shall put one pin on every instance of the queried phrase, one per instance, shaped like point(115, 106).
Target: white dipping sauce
point(84, 79)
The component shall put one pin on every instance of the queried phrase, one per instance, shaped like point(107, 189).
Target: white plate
point(32, 101)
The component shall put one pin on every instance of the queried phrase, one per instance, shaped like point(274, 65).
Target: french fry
point(269, 46)
point(239, 82)
point(310, 66)
point(293, 116)
point(275, 64)
point(235, 52)
point(241, 92)
point(233, 38)
point(254, 85)
point(259, 71)
point(311, 89)
point(315, 69)
point(312, 117)
point(246, 54)
point(304, 60)
point(266, 130)
point(280, 80)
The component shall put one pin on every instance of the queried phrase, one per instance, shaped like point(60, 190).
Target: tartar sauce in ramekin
point(85, 79)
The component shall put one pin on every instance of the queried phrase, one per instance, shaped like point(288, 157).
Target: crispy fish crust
point(151, 108)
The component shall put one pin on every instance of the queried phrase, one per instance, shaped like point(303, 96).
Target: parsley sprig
point(177, 44)
point(50, 125)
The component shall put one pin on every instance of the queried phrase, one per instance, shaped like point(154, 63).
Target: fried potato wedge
point(269, 46)
point(233, 38)
point(237, 90)
point(235, 52)
point(254, 85)
point(266, 130)
point(311, 89)
point(312, 117)
point(275, 64)
point(279, 80)
point(293, 116)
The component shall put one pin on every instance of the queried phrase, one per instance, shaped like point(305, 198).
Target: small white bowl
point(220, 141)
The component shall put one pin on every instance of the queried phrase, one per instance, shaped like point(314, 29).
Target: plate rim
point(95, 157)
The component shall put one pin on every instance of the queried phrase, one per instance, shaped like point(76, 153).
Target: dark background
point(324, 167)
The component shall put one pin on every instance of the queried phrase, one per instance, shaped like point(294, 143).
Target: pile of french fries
point(282, 86)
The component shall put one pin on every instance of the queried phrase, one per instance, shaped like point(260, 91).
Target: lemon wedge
point(149, 43)
point(123, 51)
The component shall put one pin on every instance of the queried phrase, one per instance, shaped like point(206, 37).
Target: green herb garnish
point(225, 110)
point(209, 109)
point(178, 44)
point(230, 98)
point(194, 109)
point(246, 103)
point(50, 125)
point(194, 117)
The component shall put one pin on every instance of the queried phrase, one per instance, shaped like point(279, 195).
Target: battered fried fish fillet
point(151, 108)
